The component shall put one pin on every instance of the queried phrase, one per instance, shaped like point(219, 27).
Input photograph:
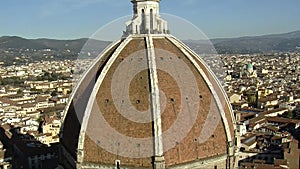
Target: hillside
point(257, 44)
point(14, 42)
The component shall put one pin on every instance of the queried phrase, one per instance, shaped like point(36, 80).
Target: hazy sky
point(69, 19)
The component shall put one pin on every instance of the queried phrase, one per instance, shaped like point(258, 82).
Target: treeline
point(18, 81)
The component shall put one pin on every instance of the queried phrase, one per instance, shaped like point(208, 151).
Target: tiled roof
point(189, 149)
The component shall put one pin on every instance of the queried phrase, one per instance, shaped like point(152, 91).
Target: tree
point(53, 94)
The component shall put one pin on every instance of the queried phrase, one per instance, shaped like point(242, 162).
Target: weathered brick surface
point(139, 94)
point(171, 99)
point(97, 155)
point(221, 97)
point(138, 90)
point(189, 149)
point(73, 119)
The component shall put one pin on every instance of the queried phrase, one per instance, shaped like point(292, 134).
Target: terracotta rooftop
point(189, 149)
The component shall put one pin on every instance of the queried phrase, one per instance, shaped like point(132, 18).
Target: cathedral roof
point(148, 100)
point(117, 91)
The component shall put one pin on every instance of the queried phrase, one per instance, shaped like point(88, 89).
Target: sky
point(71, 19)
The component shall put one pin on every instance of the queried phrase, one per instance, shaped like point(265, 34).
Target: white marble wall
point(146, 19)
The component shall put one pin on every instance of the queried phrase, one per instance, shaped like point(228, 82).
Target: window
point(143, 26)
point(151, 21)
point(117, 163)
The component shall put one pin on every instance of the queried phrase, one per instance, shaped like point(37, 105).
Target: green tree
point(53, 94)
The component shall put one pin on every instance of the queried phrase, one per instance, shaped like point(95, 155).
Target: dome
point(148, 101)
point(249, 67)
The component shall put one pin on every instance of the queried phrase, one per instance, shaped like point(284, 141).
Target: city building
point(5, 157)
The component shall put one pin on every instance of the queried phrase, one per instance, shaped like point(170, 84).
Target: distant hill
point(14, 42)
point(17, 50)
point(19, 43)
point(256, 44)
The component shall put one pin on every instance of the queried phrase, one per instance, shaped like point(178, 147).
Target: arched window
point(143, 26)
point(151, 21)
point(117, 163)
